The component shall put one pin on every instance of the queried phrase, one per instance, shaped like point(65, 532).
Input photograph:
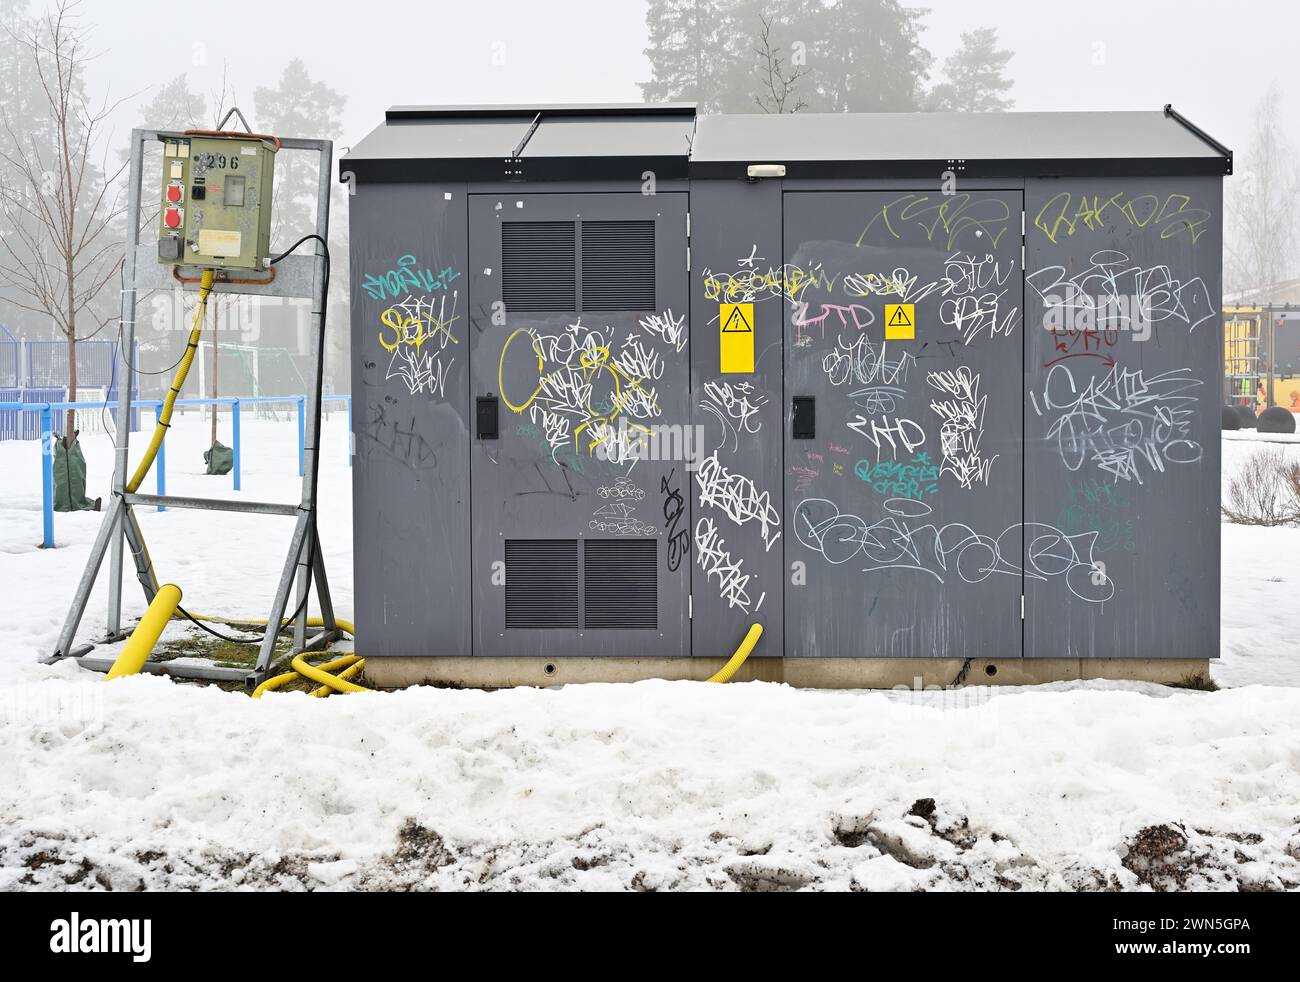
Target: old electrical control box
point(215, 209)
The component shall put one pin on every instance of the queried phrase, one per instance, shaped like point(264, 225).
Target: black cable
point(216, 634)
point(132, 369)
point(288, 622)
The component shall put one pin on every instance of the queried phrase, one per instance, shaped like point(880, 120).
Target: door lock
point(805, 418)
point(486, 416)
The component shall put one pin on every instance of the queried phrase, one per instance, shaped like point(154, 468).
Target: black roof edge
point(935, 169)
point(1200, 134)
point(553, 111)
point(497, 169)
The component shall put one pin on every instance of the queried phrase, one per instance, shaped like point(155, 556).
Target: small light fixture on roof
point(765, 170)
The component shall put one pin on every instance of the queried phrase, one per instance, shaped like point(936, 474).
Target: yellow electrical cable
point(165, 416)
point(741, 656)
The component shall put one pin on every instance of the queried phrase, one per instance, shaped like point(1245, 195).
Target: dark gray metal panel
point(776, 138)
point(553, 143)
point(410, 390)
point(573, 387)
point(1122, 432)
point(612, 136)
point(418, 139)
point(737, 539)
point(904, 510)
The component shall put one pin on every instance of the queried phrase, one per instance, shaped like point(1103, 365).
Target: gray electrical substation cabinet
point(927, 396)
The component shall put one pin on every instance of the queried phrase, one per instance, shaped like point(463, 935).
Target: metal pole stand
point(298, 277)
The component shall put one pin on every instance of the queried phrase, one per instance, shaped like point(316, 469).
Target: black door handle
point(805, 418)
point(487, 424)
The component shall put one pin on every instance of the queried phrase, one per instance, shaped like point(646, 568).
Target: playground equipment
point(1261, 356)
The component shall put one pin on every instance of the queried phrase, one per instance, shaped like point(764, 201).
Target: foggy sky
point(1211, 58)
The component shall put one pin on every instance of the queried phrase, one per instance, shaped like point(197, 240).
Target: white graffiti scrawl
point(962, 429)
point(717, 563)
point(417, 334)
point(738, 497)
point(1122, 420)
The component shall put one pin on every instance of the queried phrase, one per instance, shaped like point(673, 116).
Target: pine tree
point(869, 57)
point(974, 76)
point(300, 106)
point(697, 55)
point(841, 56)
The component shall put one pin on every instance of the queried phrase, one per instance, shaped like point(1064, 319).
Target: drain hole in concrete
point(990, 670)
point(550, 669)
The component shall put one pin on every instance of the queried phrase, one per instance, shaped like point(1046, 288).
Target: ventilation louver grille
point(618, 265)
point(539, 266)
point(621, 584)
point(541, 584)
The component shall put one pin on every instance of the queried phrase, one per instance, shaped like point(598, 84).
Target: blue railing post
point(351, 446)
point(47, 474)
point(161, 463)
point(234, 425)
point(302, 435)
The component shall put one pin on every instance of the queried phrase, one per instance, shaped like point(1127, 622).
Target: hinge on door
point(1022, 606)
point(1022, 255)
point(688, 257)
point(690, 606)
point(1022, 223)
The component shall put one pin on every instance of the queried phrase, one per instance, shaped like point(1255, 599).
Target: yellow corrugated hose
point(741, 656)
point(165, 416)
point(347, 666)
point(140, 645)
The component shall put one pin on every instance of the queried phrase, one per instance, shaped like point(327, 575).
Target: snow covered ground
point(149, 782)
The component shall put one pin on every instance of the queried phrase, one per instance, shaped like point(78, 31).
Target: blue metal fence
point(26, 425)
point(36, 372)
point(10, 359)
point(44, 414)
point(47, 363)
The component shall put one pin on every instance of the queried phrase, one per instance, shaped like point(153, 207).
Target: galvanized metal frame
point(299, 277)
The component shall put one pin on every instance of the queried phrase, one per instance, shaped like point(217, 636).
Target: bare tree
point(778, 81)
point(1264, 204)
point(57, 250)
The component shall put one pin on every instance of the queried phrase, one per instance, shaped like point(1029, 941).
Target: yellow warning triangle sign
point(736, 323)
point(900, 318)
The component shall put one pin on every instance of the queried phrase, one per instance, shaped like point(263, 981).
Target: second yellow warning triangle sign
point(900, 321)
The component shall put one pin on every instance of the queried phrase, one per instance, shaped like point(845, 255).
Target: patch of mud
point(931, 845)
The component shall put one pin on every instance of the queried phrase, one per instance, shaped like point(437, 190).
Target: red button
point(173, 218)
point(174, 192)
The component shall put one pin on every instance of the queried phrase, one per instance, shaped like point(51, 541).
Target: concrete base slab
point(812, 673)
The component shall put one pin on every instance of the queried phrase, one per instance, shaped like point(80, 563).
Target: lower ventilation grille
point(541, 584)
point(621, 584)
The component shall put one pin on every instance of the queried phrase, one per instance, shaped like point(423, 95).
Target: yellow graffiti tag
point(593, 363)
point(1064, 214)
point(412, 330)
